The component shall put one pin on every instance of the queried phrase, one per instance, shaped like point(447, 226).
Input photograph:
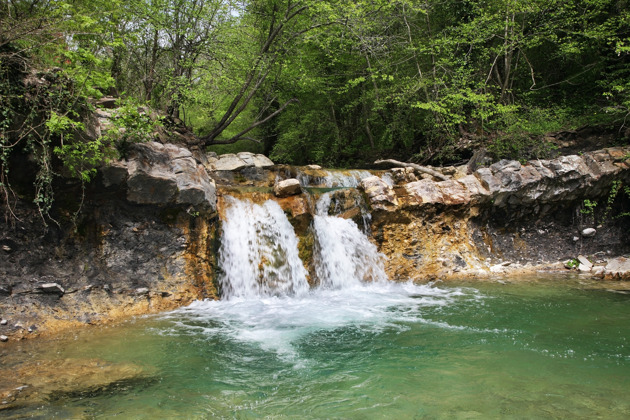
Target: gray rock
point(584, 261)
point(114, 173)
point(316, 167)
point(4, 322)
point(162, 174)
point(588, 232)
point(141, 291)
point(287, 188)
point(584, 268)
point(617, 269)
point(262, 161)
point(229, 162)
point(4, 338)
point(380, 195)
point(50, 288)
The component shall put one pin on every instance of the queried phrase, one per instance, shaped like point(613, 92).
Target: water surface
point(549, 348)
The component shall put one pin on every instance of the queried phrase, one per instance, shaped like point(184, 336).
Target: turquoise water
point(553, 348)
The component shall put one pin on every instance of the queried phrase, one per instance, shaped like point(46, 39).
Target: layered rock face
point(507, 214)
point(147, 236)
point(143, 242)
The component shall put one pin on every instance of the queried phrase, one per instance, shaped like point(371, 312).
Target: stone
point(380, 195)
point(108, 102)
point(262, 161)
point(598, 270)
point(453, 192)
point(588, 232)
point(141, 291)
point(4, 322)
point(316, 167)
point(164, 174)
point(247, 157)
point(617, 269)
point(4, 338)
point(584, 268)
point(114, 173)
point(425, 191)
point(50, 288)
point(287, 188)
point(229, 162)
point(584, 261)
point(487, 180)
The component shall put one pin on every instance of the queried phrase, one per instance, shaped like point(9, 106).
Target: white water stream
point(267, 300)
point(259, 252)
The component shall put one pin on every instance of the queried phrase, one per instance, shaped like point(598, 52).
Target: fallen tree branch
point(418, 168)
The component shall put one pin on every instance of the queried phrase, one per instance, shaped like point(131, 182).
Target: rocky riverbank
point(147, 236)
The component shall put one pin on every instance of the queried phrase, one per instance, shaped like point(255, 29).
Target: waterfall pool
point(537, 348)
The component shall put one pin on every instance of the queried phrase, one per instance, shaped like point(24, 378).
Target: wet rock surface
point(41, 381)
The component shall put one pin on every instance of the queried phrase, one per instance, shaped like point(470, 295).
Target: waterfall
point(332, 179)
point(259, 252)
point(343, 255)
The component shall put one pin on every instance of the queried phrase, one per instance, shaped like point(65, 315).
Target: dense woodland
point(333, 82)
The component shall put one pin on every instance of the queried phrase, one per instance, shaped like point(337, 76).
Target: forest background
point(333, 82)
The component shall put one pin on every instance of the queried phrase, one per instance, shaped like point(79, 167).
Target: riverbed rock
point(4, 338)
point(287, 188)
point(588, 232)
point(34, 383)
point(584, 261)
point(617, 269)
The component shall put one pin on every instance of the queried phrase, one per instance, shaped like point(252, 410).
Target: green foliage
point(572, 264)
point(131, 123)
point(588, 208)
point(616, 188)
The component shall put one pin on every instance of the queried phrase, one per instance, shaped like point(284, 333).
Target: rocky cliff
point(147, 236)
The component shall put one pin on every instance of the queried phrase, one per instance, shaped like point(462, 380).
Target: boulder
point(229, 162)
point(617, 269)
point(232, 162)
point(588, 232)
point(380, 195)
point(584, 261)
point(114, 173)
point(163, 174)
point(287, 188)
point(425, 191)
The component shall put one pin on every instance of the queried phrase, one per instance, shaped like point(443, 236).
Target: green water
point(553, 348)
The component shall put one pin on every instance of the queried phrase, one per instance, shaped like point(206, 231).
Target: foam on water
point(267, 301)
point(277, 323)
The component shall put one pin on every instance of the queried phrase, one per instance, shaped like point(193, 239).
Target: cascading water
point(259, 252)
point(343, 256)
point(333, 179)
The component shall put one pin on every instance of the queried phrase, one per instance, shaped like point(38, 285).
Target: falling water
point(259, 252)
point(344, 256)
point(333, 179)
